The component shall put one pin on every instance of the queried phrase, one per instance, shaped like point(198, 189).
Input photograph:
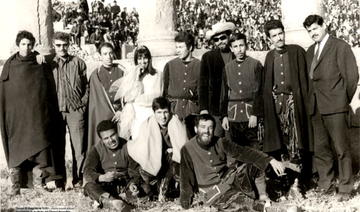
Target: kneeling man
point(108, 167)
point(203, 168)
point(157, 150)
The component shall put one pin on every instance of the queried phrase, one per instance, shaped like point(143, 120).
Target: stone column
point(294, 13)
point(156, 27)
point(156, 31)
point(31, 15)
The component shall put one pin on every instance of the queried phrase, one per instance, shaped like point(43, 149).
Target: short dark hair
point(313, 19)
point(160, 103)
point(105, 125)
point(272, 24)
point(187, 38)
point(204, 117)
point(61, 36)
point(105, 44)
point(25, 34)
point(237, 36)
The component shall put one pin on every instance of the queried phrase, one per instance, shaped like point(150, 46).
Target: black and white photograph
point(180, 105)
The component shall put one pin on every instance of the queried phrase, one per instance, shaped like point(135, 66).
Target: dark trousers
point(331, 146)
point(95, 190)
point(218, 131)
point(75, 121)
point(241, 134)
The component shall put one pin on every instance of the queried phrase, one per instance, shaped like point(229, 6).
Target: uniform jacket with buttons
point(102, 159)
point(299, 86)
point(204, 166)
point(241, 96)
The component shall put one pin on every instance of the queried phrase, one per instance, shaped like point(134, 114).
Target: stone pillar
point(31, 15)
point(156, 27)
point(294, 13)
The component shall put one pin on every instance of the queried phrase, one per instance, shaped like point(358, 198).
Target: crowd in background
point(120, 26)
point(344, 19)
point(104, 23)
point(248, 16)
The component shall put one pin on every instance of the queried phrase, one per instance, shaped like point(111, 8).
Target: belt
point(283, 93)
point(181, 98)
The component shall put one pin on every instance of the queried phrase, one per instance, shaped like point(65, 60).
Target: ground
point(74, 200)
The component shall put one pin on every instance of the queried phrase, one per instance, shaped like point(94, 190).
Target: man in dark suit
point(211, 70)
point(333, 75)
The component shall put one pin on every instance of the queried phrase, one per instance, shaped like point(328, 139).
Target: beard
point(205, 138)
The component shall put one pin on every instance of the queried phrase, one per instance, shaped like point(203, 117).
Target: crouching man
point(109, 168)
point(203, 168)
point(157, 150)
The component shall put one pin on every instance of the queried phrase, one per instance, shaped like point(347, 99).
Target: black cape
point(27, 107)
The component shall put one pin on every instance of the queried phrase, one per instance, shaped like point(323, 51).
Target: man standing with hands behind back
point(333, 75)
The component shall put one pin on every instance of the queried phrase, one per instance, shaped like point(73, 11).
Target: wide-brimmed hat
point(220, 28)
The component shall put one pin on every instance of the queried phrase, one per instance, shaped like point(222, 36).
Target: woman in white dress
point(137, 90)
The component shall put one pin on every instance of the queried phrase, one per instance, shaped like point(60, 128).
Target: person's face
point(107, 56)
point(181, 50)
point(25, 47)
point(221, 41)
point(143, 61)
point(61, 47)
point(110, 138)
point(162, 116)
point(238, 47)
point(205, 131)
point(316, 32)
point(277, 38)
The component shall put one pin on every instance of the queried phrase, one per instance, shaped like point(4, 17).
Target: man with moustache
point(204, 168)
point(101, 98)
point(181, 76)
point(286, 129)
point(333, 75)
point(242, 102)
point(211, 71)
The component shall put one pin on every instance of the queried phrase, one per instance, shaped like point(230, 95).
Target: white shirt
point(321, 44)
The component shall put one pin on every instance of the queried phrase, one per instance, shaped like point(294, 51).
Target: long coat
point(27, 108)
point(100, 108)
point(299, 83)
point(211, 73)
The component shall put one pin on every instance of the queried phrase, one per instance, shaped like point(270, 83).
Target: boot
point(109, 202)
point(37, 180)
point(15, 180)
point(261, 188)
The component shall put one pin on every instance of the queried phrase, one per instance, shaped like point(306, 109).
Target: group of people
point(248, 16)
point(212, 128)
point(104, 23)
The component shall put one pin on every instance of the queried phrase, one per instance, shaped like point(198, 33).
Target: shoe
point(15, 180)
point(330, 191)
point(343, 197)
point(117, 204)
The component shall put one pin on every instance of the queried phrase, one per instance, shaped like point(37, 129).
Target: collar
point(66, 59)
point(203, 146)
point(282, 51)
point(240, 62)
point(323, 41)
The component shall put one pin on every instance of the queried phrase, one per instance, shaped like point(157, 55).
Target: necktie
point(314, 61)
